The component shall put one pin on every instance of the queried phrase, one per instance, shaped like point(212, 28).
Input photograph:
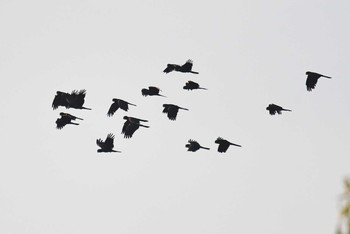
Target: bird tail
point(79, 118)
point(235, 144)
point(286, 110)
point(202, 88)
point(73, 123)
point(183, 108)
point(205, 148)
point(131, 104)
point(116, 151)
point(327, 77)
point(194, 72)
point(145, 126)
point(85, 108)
point(161, 95)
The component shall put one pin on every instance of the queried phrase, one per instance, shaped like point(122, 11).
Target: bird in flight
point(118, 103)
point(186, 68)
point(273, 109)
point(190, 85)
point(107, 145)
point(193, 146)
point(66, 119)
point(171, 110)
point(75, 99)
point(151, 91)
point(312, 78)
point(224, 144)
point(131, 125)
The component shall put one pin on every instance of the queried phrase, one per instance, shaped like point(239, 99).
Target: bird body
point(224, 144)
point(131, 125)
point(75, 99)
point(151, 91)
point(312, 78)
point(171, 110)
point(118, 103)
point(273, 109)
point(66, 119)
point(190, 85)
point(193, 146)
point(107, 145)
point(185, 68)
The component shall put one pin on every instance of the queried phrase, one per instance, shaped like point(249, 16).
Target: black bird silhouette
point(312, 78)
point(224, 144)
point(75, 99)
point(151, 91)
point(193, 146)
point(187, 67)
point(131, 125)
point(273, 109)
point(190, 85)
point(118, 103)
point(66, 119)
point(171, 110)
point(107, 145)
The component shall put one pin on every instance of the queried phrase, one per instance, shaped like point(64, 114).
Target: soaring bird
point(151, 91)
point(66, 119)
point(118, 103)
point(171, 110)
point(75, 99)
point(193, 146)
point(312, 78)
point(272, 108)
point(190, 85)
point(131, 125)
point(107, 145)
point(186, 68)
point(224, 144)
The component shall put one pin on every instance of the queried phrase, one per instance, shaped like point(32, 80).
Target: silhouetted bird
point(75, 99)
point(66, 119)
point(193, 146)
point(107, 145)
point(151, 91)
point(187, 67)
point(224, 144)
point(131, 125)
point(118, 103)
point(190, 85)
point(171, 110)
point(312, 79)
point(273, 109)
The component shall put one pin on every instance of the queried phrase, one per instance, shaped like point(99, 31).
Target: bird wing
point(109, 141)
point(100, 143)
point(153, 89)
point(123, 105)
point(223, 146)
point(311, 82)
point(113, 108)
point(60, 100)
point(172, 112)
point(129, 129)
point(187, 66)
point(61, 122)
point(170, 68)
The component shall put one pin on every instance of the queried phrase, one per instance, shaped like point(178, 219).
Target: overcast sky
point(286, 178)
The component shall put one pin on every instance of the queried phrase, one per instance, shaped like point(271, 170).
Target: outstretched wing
point(109, 141)
point(100, 143)
point(113, 108)
point(223, 146)
point(61, 122)
point(129, 129)
point(60, 100)
point(171, 67)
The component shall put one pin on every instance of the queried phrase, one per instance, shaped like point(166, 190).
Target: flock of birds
point(76, 100)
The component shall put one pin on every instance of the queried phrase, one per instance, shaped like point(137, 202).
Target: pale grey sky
point(285, 179)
